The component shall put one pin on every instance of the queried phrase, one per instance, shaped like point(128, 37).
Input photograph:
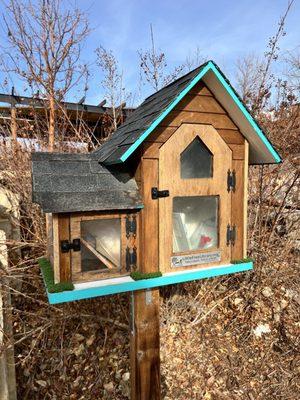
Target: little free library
point(162, 201)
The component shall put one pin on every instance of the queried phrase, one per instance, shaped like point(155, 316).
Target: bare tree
point(293, 72)
point(273, 102)
point(44, 46)
point(112, 83)
point(154, 66)
point(249, 70)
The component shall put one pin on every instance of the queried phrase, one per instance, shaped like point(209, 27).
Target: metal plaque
point(195, 259)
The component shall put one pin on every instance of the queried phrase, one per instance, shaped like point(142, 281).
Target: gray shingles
point(78, 182)
point(143, 116)
point(97, 201)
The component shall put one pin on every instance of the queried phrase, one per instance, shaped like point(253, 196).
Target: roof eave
point(261, 149)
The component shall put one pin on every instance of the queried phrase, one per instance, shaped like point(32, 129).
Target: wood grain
point(207, 104)
point(64, 258)
point(149, 217)
point(56, 245)
point(49, 230)
point(151, 150)
point(161, 134)
point(231, 136)
point(201, 89)
point(176, 118)
point(145, 353)
point(170, 179)
point(238, 151)
point(245, 198)
point(145, 343)
point(239, 205)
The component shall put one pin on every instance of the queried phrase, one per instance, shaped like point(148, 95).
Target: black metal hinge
point(131, 259)
point(156, 194)
point(130, 226)
point(231, 180)
point(231, 235)
point(66, 246)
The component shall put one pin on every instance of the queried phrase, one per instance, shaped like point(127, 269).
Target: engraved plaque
point(195, 259)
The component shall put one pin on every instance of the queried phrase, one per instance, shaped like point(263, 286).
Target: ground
point(234, 337)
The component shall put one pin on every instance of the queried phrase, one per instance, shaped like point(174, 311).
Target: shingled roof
point(135, 125)
point(155, 108)
point(77, 182)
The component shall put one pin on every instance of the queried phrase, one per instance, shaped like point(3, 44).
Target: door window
point(195, 223)
point(101, 244)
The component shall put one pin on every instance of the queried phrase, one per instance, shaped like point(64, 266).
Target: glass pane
point(100, 244)
point(195, 223)
point(196, 161)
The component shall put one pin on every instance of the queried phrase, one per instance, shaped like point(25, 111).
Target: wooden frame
point(169, 160)
point(67, 266)
point(112, 271)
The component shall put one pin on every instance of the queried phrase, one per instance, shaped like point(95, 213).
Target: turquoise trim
point(209, 67)
point(165, 113)
point(247, 115)
point(167, 279)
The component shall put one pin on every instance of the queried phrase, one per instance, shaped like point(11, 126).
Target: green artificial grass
point(242, 260)
point(48, 275)
point(137, 276)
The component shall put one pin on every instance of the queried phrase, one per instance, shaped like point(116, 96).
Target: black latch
point(231, 235)
point(156, 194)
point(66, 246)
point(130, 226)
point(231, 180)
point(131, 258)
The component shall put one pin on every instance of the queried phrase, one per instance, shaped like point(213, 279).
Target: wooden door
point(105, 246)
point(193, 220)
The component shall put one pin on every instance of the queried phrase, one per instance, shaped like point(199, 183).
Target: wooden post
point(8, 390)
point(13, 124)
point(145, 355)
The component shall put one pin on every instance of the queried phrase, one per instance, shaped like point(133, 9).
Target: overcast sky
point(223, 30)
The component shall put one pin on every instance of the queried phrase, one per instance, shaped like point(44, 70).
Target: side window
point(196, 161)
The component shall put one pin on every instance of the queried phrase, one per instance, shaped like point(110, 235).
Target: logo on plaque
point(195, 259)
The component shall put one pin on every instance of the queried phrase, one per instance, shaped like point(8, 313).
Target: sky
point(223, 30)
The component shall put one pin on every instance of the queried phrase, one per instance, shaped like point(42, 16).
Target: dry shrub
point(229, 338)
point(60, 351)
point(211, 348)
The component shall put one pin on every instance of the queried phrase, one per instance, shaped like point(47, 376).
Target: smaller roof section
point(155, 108)
point(77, 182)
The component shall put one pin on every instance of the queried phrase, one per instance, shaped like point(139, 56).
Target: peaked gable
point(155, 108)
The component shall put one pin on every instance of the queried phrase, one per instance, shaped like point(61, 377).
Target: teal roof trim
point(246, 113)
point(165, 113)
point(210, 66)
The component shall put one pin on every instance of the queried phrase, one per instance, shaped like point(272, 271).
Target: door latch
point(156, 194)
point(66, 246)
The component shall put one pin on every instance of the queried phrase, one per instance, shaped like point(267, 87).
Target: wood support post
point(145, 354)
point(8, 390)
point(145, 357)
point(13, 124)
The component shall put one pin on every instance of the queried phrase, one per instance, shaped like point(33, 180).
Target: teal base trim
point(131, 285)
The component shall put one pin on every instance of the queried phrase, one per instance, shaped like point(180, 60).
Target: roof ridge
point(176, 80)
